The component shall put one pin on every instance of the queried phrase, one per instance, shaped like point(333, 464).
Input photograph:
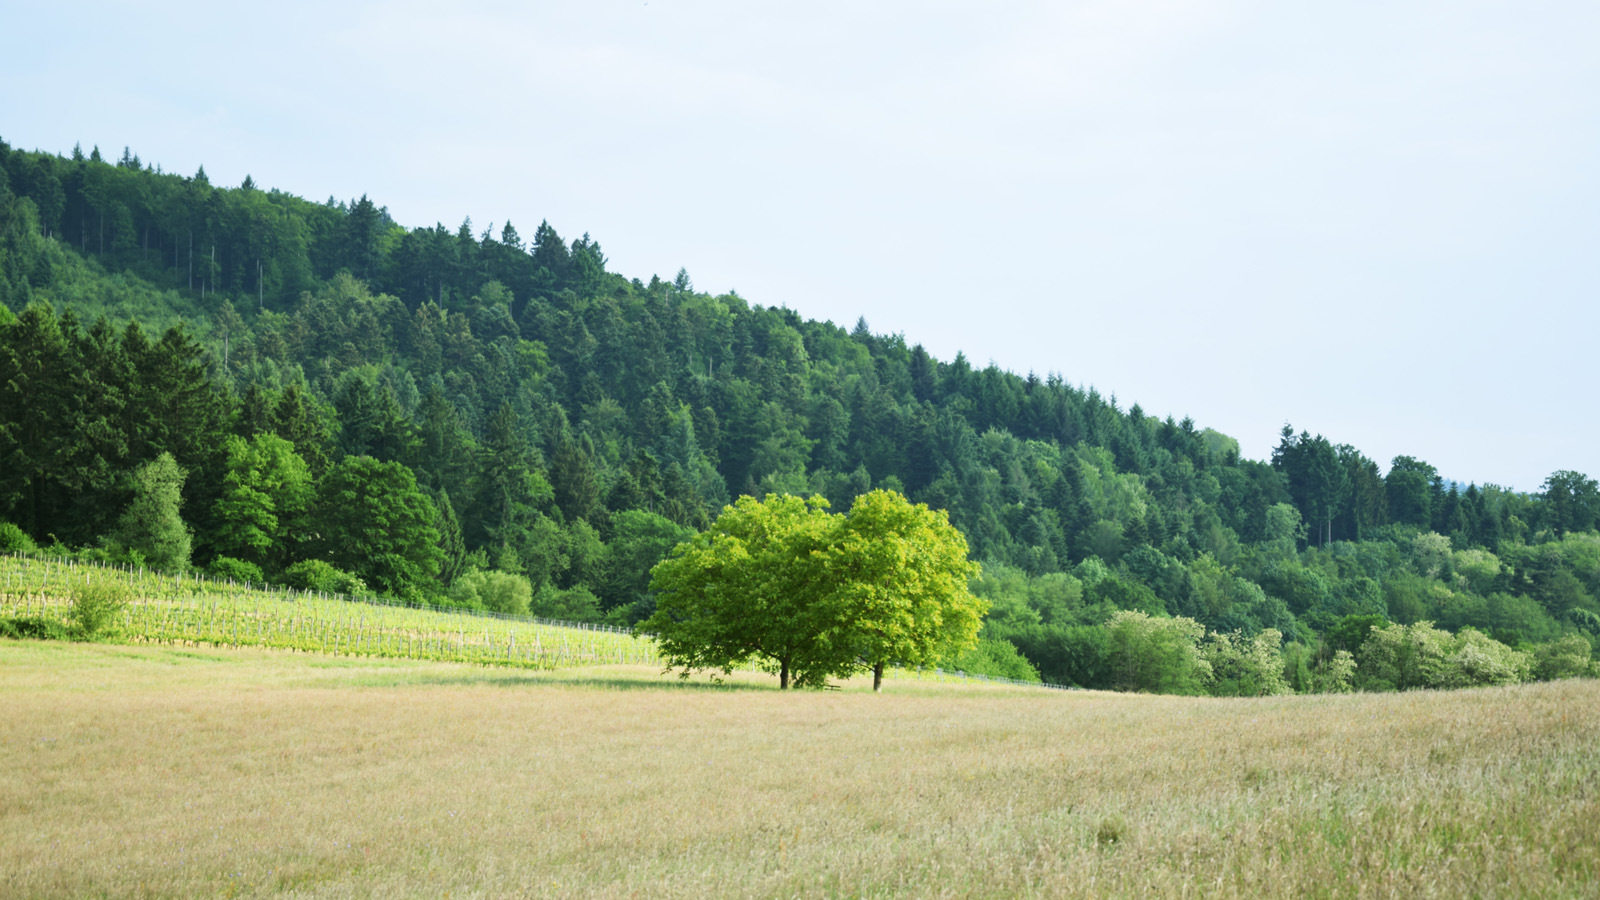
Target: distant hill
point(537, 415)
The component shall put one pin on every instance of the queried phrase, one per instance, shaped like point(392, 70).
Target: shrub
point(498, 591)
point(236, 569)
point(35, 627)
point(1421, 656)
point(1246, 667)
point(96, 606)
point(1112, 830)
point(1566, 658)
point(1337, 674)
point(1155, 654)
point(997, 658)
point(15, 540)
point(575, 605)
point(316, 575)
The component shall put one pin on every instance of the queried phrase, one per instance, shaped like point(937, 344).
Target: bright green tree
point(152, 526)
point(266, 490)
point(899, 573)
point(747, 589)
point(373, 521)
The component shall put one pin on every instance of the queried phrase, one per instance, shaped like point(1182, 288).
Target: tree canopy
point(814, 595)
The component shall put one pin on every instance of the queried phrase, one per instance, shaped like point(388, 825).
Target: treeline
point(548, 429)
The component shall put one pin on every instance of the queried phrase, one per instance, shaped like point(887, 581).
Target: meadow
point(162, 771)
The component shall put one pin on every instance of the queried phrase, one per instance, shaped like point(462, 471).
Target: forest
point(271, 389)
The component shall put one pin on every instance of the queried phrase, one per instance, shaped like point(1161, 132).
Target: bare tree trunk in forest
point(783, 675)
point(877, 677)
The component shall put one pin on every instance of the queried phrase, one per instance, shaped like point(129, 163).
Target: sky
point(1379, 222)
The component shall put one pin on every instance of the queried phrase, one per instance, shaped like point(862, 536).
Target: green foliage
point(639, 540)
point(1283, 531)
point(15, 540)
point(95, 607)
point(996, 658)
point(1245, 667)
point(815, 595)
point(576, 604)
point(324, 577)
point(152, 526)
point(266, 493)
point(1156, 655)
point(1569, 657)
point(584, 424)
point(236, 570)
point(500, 592)
point(1337, 674)
point(899, 574)
point(1404, 657)
point(38, 628)
point(749, 589)
point(374, 523)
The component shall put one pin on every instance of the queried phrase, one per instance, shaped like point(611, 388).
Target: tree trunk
point(783, 675)
point(877, 677)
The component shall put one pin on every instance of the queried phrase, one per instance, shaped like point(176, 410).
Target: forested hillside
point(242, 380)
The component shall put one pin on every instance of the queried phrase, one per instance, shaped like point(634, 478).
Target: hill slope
point(528, 413)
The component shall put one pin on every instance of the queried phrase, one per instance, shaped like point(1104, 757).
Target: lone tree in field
point(900, 572)
point(814, 595)
point(749, 588)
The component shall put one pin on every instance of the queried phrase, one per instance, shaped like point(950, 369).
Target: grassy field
point(148, 771)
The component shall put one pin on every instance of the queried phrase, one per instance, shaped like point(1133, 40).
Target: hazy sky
point(1376, 221)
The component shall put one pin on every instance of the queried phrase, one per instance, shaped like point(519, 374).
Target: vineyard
point(191, 610)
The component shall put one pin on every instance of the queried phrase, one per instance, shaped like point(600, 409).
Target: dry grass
point(139, 771)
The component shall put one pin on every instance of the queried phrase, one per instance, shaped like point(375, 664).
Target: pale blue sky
point(1377, 221)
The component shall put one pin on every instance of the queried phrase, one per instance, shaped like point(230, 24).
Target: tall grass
point(161, 771)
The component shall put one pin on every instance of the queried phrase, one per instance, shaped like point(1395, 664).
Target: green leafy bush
point(1245, 667)
point(574, 605)
point(1155, 654)
point(497, 591)
point(316, 575)
point(15, 540)
point(1566, 658)
point(996, 658)
point(34, 627)
point(235, 569)
point(96, 606)
point(1403, 657)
